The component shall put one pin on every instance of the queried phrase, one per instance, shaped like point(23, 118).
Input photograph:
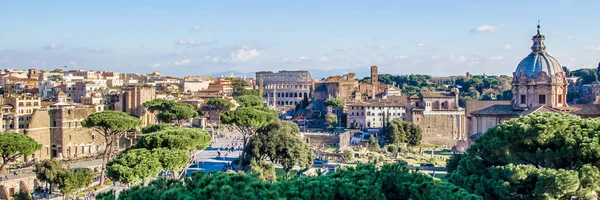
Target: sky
point(436, 37)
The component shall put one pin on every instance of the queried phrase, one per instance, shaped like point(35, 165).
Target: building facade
point(375, 113)
point(439, 116)
point(285, 88)
point(539, 85)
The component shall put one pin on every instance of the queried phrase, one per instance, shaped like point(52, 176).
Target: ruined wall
point(39, 130)
point(72, 139)
point(440, 129)
point(8, 188)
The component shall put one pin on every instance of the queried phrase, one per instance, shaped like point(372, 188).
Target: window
point(559, 98)
point(542, 99)
point(523, 99)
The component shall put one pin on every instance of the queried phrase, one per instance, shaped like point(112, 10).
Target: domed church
point(539, 85)
point(539, 79)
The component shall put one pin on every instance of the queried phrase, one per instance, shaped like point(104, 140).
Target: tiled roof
point(475, 105)
point(539, 109)
point(436, 94)
point(585, 109)
point(390, 101)
point(496, 110)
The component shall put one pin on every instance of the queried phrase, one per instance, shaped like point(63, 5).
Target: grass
point(332, 149)
point(280, 172)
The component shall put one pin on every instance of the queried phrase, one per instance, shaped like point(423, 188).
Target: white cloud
point(193, 42)
point(399, 57)
point(90, 50)
point(294, 59)
point(183, 62)
point(380, 46)
point(323, 58)
point(244, 54)
point(155, 65)
point(54, 46)
point(595, 48)
point(196, 27)
point(435, 57)
point(420, 45)
point(496, 58)
point(486, 28)
point(507, 46)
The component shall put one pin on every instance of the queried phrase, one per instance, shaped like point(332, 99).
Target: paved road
point(207, 159)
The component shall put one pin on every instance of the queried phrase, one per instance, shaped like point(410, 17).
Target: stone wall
point(321, 140)
point(440, 129)
point(12, 187)
point(70, 138)
point(39, 130)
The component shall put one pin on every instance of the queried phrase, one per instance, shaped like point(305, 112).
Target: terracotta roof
point(475, 105)
point(436, 94)
point(390, 101)
point(539, 109)
point(585, 109)
point(496, 110)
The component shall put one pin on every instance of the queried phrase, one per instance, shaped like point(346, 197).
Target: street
point(207, 158)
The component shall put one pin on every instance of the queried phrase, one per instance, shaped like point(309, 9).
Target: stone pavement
point(207, 159)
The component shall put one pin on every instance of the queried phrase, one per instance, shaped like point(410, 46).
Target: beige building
point(131, 101)
point(374, 113)
point(439, 116)
point(539, 85)
point(285, 88)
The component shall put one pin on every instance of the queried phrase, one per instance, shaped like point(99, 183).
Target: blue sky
point(200, 37)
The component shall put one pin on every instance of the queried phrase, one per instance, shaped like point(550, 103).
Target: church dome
point(538, 60)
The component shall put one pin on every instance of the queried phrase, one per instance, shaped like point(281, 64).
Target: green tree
point(363, 182)
point(171, 159)
point(69, 182)
point(133, 166)
point(14, 146)
point(188, 139)
point(399, 131)
point(48, 171)
point(281, 143)
point(220, 105)
point(331, 120)
point(249, 100)
point(111, 125)
point(539, 156)
point(337, 105)
point(156, 127)
point(264, 170)
point(22, 196)
point(247, 120)
point(171, 111)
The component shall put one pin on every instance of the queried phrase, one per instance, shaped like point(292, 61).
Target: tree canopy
point(280, 142)
point(176, 138)
point(249, 100)
point(156, 127)
point(14, 146)
point(539, 156)
point(248, 120)
point(363, 182)
point(133, 166)
point(170, 110)
point(220, 104)
point(53, 172)
point(338, 103)
point(399, 131)
point(111, 125)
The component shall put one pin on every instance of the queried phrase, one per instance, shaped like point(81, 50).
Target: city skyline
point(437, 38)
